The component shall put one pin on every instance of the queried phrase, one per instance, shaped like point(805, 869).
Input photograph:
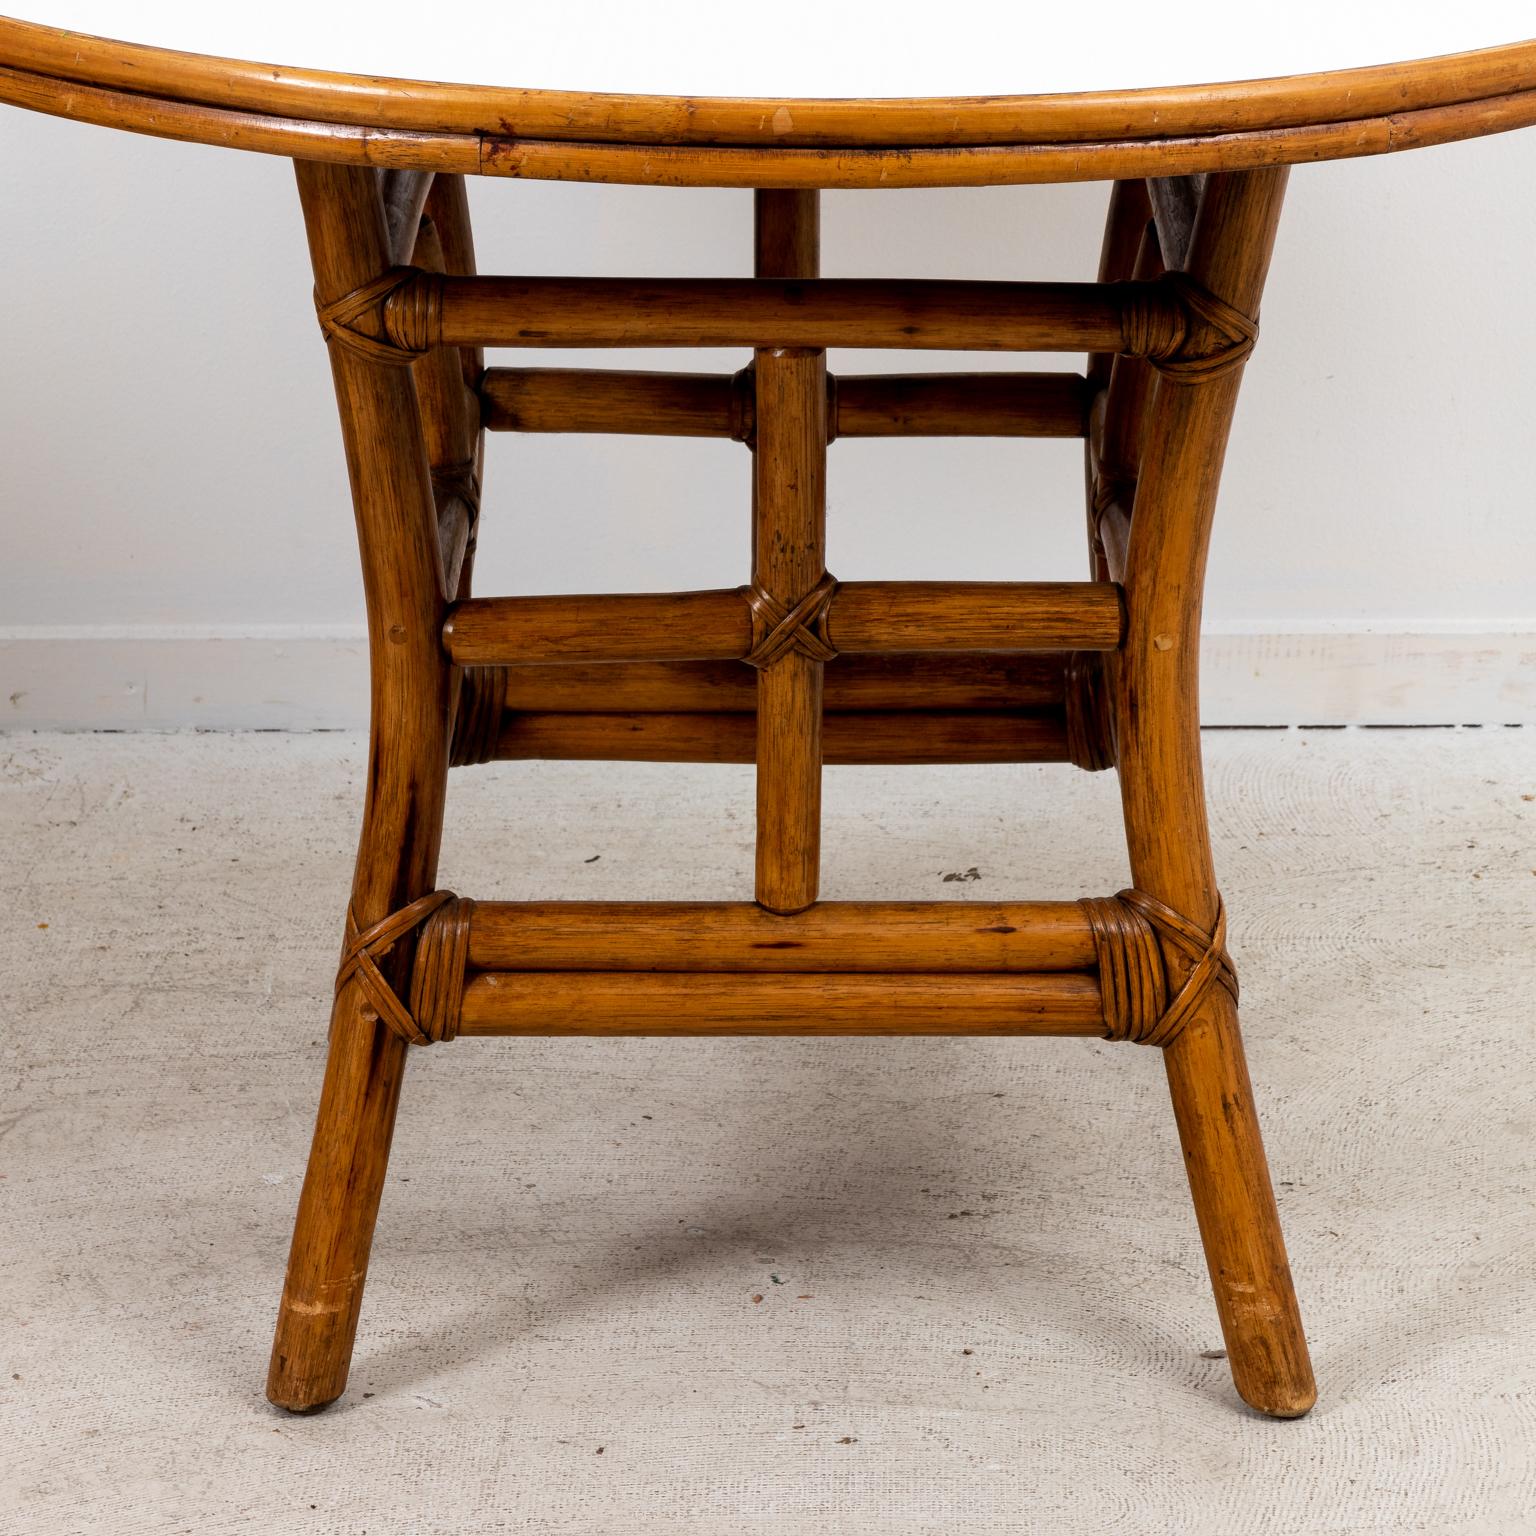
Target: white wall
point(178, 546)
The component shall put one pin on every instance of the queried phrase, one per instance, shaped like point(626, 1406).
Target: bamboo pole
point(717, 405)
point(865, 618)
point(634, 401)
point(1125, 222)
point(736, 1003)
point(1167, 835)
point(402, 815)
point(904, 313)
point(609, 626)
point(788, 560)
point(859, 737)
point(858, 936)
point(878, 616)
point(961, 405)
point(1024, 680)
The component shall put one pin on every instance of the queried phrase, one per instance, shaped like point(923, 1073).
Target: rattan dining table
point(793, 669)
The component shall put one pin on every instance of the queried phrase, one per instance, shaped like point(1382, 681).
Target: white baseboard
point(306, 678)
point(165, 678)
point(1361, 677)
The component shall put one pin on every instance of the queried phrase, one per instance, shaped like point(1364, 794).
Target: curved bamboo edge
point(999, 165)
point(433, 107)
point(573, 136)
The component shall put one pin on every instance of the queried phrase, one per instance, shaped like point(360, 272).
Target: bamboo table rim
point(767, 142)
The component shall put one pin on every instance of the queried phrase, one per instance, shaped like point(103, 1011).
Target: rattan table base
point(791, 670)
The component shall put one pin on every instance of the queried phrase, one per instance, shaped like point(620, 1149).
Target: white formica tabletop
point(808, 48)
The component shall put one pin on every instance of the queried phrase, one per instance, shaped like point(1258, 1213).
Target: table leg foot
point(333, 1232)
point(1235, 1206)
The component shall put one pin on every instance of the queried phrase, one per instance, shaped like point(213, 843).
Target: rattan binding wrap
point(438, 970)
point(477, 724)
point(1090, 723)
point(777, 630)
point(1132, 933)
point(461, 480)
point(1183, 330)
point(364, 319)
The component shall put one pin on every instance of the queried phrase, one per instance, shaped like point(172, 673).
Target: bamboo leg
point(1235, 1207)
point(402, 819)
point(789, 529)
point(1157, 728)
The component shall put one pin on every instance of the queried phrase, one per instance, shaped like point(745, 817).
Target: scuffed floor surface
point(653, 1287)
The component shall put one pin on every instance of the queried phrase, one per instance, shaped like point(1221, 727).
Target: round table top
point(809, 48)
point(970, 92)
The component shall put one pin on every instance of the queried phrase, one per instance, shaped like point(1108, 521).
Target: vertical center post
point(788, 559)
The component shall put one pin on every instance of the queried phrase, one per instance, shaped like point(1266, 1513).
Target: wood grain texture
point(612, 400)
point(865, 617)
point(600, 627)
point(723, 405)
point(789, 535)
point(1125, 221)
point(741, 1003)
point(1001, 165)
point(260, 131)
point(848, 736)
point(892, 142)
point(898, 682)
point(1218, 107)
point(402, 815)
point(961, 405)
point(1158, 740)
point(766, 312)
point(869, 936)
point(974, 616)
point(635, 161)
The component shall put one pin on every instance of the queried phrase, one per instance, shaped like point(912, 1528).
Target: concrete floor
point(918, 1286)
